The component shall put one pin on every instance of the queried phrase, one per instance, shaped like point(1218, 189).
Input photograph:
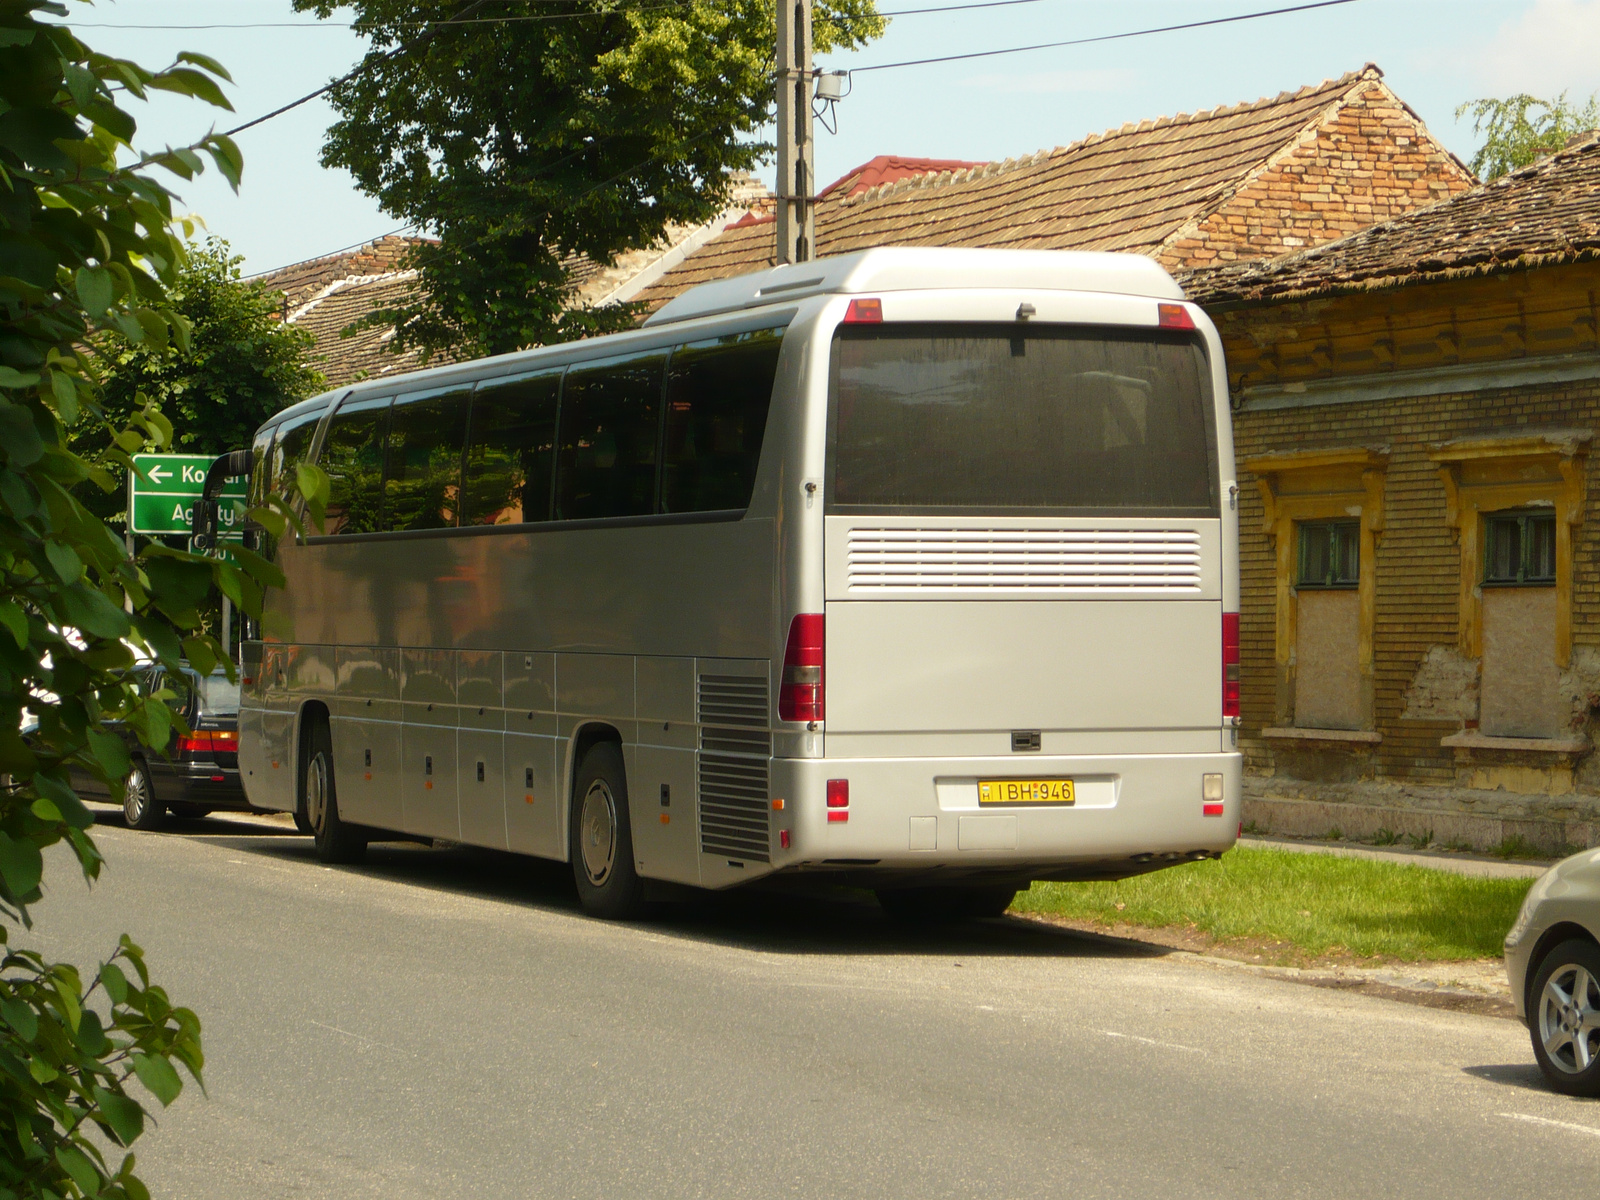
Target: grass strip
point(1320, 904)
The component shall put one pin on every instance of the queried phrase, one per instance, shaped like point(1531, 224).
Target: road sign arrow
point(157, 474)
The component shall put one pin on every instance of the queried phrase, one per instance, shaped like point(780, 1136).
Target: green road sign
point(163, 501)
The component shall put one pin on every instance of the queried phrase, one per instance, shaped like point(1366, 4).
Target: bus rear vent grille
point(987, 559)
point(733, 700)
point(733, 806)
point(735, 759)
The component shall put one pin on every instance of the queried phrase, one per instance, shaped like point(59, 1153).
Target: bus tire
point(600, 839)
point(945, 905)
point(335, 841)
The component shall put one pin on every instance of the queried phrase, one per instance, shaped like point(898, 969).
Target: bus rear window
point(996, 419)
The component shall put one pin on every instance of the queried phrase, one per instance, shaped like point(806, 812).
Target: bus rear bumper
point(913, 817)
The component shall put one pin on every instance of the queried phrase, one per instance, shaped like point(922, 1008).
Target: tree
point(1521, 129)
point(86, 244)
point(241, 363)
point(518, 138)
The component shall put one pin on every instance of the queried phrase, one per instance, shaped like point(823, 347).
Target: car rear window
point(218, 697)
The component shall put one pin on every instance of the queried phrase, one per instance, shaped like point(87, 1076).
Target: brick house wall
point(1369, 159)
point(1403, 371)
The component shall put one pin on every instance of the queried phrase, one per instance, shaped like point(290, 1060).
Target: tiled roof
point(365, 354)
point(327, 295)
point(1544, 214)
point(890, 168)
point(1136, 188)
point(300, 281)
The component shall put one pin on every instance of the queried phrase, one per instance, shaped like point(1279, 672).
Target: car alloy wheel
point(1569, 1018)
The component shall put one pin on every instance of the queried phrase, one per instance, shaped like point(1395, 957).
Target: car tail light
point(209, 741)
point(1230, 665)
point(867, 312)
point(1174, 316)
point(800, 694)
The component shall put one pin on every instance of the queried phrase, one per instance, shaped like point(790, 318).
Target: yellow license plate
point(1025, 791)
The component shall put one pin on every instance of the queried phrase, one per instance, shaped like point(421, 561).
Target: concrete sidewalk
point(1460, 864)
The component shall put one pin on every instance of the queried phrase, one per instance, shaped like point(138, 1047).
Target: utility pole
point(796, 203)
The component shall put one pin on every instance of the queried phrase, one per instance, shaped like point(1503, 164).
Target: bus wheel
point(140, 807)
point(945, 905)
point(335, 841)
point(599, 839)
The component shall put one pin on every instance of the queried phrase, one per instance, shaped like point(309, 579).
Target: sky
point(1435, 54)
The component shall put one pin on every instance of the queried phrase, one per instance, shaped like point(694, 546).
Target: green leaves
point(21, 866)
point(96, 290)
point(1521, 129)
point(519, 144)
point(158, 1075)
point(89, 255)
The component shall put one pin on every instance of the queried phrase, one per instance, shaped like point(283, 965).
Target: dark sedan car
point(199, 771)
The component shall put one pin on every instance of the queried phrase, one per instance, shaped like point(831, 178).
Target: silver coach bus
point(915, 566)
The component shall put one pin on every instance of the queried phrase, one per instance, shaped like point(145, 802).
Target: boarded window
point(511, 452)
point(352, 455)
point(609, 425)
point(718, 394)
point(422, 473)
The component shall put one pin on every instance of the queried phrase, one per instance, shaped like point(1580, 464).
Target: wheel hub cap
point(597, 832)
point(317, 793)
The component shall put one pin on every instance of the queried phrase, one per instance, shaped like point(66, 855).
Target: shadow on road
point(1518, 1075)
point(790, 915)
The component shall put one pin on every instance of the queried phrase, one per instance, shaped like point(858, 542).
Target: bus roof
point(910, 268)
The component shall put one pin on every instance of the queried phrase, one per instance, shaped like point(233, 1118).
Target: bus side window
point(606, 462)
point(511, 450)
point(261, 470)
point(718, 394)
point(352, 455)
point(422, 472)
point(288, 452)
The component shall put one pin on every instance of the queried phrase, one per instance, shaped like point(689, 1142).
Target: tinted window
point(422, 474)
point(352, 455)
point(607, 445)
point(511, 452)
point(290, 450)
point(261, 466)
point(718, 393)
point(980, 418)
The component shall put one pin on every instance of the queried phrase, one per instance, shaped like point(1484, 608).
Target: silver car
point(1553, 963)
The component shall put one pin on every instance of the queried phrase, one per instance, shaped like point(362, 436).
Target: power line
point(899, 12)
point(1108, 37)
point(571, 16)
point(364, 65)
point(877, 67)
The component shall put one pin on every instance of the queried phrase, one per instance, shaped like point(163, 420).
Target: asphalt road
point(447, 1024)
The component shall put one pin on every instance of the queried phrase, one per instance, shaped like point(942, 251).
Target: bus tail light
point(838, 801)
point(866, 312)
point(1212, 800)
point(1174, 316)
point(800, 694)
point(1230, 665)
